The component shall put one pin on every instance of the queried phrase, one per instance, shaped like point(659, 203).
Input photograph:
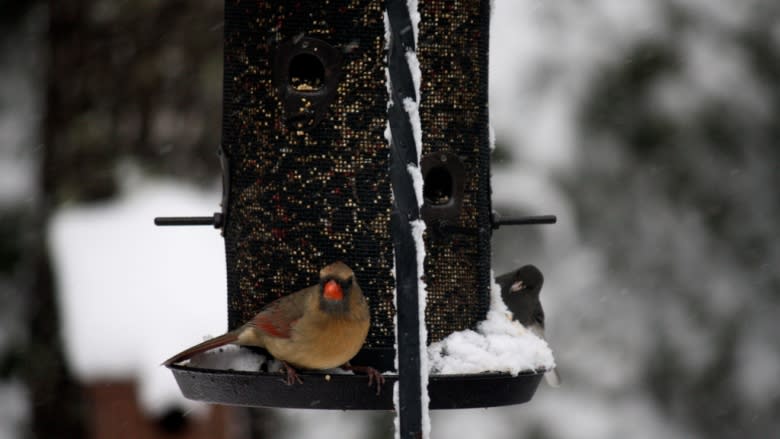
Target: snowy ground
point(132, 293)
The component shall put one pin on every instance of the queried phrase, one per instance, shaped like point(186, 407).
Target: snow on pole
point(405, 137)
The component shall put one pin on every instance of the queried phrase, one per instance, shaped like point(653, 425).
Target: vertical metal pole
point(403, 152)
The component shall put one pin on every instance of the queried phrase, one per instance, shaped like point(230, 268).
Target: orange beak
point(333, 291)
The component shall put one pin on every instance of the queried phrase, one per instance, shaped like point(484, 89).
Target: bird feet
point(374, 376)
point(292, 375)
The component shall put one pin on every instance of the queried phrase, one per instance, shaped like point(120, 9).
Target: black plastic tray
point(349, 392)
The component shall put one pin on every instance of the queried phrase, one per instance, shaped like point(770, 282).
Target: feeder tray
point(349, 392)
point(308, 179)
point(321, 390)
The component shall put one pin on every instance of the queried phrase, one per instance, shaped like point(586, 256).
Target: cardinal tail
point(215, 342)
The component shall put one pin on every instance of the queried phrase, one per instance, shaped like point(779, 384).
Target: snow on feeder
point(318, 168)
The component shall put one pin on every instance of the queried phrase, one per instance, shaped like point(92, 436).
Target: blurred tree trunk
point(57, 404)
point(57, 401)
point(124, 80)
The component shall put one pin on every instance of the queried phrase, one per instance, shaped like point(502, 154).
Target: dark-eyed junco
point(520, 290)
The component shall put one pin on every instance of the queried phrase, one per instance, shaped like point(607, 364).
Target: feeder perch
point(309, 179)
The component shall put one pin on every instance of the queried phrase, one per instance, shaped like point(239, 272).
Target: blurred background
point(650, 128)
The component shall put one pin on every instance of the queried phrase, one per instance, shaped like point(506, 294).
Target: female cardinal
point(320, 327)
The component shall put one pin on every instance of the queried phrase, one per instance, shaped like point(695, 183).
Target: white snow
point(417, 181)
point(414, 17)
point(133, 294)
point(413, 110)
point(228, 357)
point(414, 68)
point(418, 229)
point(499, 344)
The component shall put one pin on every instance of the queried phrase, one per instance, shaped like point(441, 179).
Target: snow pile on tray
point(132, 294)
point(499, 344)
point(235, 358)
point(228, 357)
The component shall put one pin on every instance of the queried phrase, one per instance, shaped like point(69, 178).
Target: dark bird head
point(527, 280)
point(520, 290)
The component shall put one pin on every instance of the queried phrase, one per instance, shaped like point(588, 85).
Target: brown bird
point(320, 327)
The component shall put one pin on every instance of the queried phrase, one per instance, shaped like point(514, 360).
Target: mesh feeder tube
point(309, 179)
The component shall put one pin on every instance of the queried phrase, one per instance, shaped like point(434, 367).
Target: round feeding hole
point(306, 73)
point(438, 186)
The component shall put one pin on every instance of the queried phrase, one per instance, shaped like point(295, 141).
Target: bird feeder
point(310, 178)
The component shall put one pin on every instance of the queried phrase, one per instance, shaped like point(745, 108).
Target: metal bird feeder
point(309, 178)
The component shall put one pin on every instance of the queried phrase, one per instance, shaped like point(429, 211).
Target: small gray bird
point(520, 290)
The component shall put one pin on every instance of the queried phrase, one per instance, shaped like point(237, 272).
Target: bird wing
point(279, 316)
